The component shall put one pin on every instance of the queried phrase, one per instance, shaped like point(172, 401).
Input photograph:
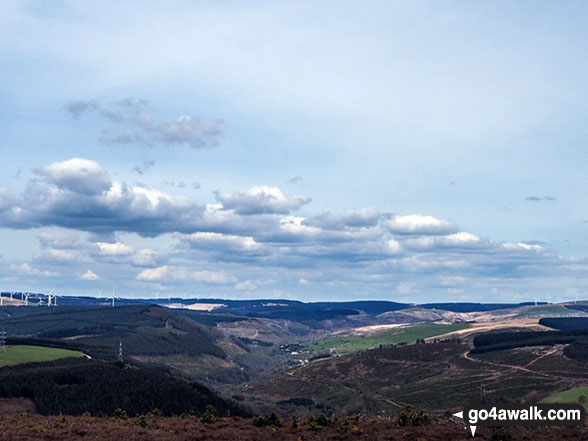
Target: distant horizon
point(208, 299)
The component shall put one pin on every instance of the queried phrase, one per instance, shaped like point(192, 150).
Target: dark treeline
point(496, 341)
point(492, 338)
point(210, 318)
point(577, 351)
point(565, 323)
point(76, 386)
point(302, 314)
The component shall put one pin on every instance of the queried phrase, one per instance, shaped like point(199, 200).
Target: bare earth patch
point(194, 306)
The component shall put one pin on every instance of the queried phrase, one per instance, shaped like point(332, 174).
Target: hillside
point(76, 386)
point(143, 329)
point(435, 377)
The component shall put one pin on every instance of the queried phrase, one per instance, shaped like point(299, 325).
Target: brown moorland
point(24, 427)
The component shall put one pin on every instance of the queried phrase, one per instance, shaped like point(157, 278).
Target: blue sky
point(411, 151)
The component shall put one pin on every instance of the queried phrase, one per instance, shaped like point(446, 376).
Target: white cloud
point(294, 227)
point(115, 249)
point(365, 217)
point(419, 224)
point(55, 256)
point(172, 273)
point(522, 246)
point(462, 240)
point(302, 281)
point(78, 194)
point(146, 257)
point(394, 246)
point(260, 200)
point(26, 269)
point(218, 241)
point(77, 175)
point(89, 275)
point(247, 285)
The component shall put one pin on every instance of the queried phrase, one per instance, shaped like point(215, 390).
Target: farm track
point(553, 351)
point(467, 356)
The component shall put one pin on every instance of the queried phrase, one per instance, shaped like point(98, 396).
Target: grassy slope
point(406, 335)
point(569, 396)
point(32, 354)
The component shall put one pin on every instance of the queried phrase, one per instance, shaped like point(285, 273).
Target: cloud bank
point(107, 229)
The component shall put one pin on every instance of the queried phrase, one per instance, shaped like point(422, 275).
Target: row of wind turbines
point(28, 298)
point(41, 299)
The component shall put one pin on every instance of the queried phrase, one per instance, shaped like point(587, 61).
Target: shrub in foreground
point(270, 420)
point(210, 416)
point(410, 417)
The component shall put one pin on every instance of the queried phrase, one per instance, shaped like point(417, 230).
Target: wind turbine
point(40, 302)
point(25, 297)
point(52, 297)
point(113, 297)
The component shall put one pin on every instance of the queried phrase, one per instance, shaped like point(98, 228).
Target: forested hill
point(76, 386)
point(143, 329)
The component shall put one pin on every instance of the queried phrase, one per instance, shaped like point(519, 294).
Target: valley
point(295, 360)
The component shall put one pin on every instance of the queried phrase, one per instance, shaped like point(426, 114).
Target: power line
point(120, 352)
point(2, 340)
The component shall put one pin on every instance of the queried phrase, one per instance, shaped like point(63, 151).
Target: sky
point(412, 151)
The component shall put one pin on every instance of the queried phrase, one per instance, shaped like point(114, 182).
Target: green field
point(31, 354)
point(569, 396)
point(407, 335)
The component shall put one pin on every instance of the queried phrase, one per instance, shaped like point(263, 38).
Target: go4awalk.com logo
point(522, 415)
